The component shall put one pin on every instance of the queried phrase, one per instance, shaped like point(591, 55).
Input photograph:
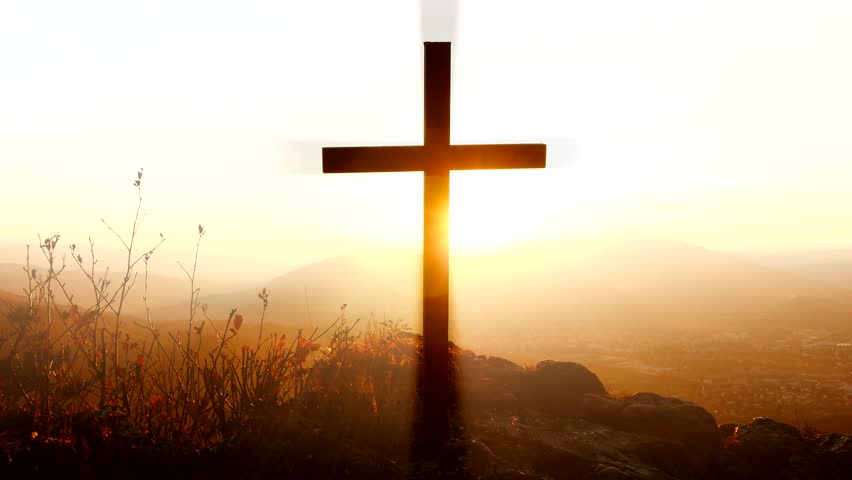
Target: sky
point(724, 123)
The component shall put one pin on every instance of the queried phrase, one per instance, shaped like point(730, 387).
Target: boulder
point(836, 444)
point(766, 448)
point(566, 447)
point(603, 409)
point(557, 421)
point(558, 388)
point(662, 417)
point(671, 457)
point(768, 440)
point(673, 419)
point(836, 450)
point(488, 382)
point(474, 367)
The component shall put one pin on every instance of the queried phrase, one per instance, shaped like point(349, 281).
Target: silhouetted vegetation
point(82, 382)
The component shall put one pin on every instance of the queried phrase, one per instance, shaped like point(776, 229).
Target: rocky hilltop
point(556, 420)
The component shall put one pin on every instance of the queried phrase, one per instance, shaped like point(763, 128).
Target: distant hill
point(645, 282)
point(9, 300)
point(313, 294)
point(686, 279)
point(831, 265)
point(161, 289)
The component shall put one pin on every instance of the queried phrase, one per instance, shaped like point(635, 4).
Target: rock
point(765, 448)
point(559, 388)
point(508, 473)
point(673, 419)
point(662, 417)
point(501, 364)
point(559, 462)
point(481, 457)
point(608, 472)
point(566, 447)
point(603, 409)
point(488, 382)
point(671, 457)
point(837, 453)
point(556, 421)
point(767, 439)
point(837, 444)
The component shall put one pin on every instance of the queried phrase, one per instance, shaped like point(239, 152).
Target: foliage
point(89, 377)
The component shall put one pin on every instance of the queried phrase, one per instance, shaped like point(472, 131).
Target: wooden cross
point(435, 158)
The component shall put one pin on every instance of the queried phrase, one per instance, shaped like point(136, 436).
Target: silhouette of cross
point(435, 158)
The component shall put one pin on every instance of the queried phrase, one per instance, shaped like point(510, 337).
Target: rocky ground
point(557, 421)
point(553, 421)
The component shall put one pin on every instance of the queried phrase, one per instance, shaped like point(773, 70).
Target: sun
point(490, 210)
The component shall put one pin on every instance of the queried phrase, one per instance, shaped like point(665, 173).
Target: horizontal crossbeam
point(372, 159)
point(419, 158)
point(496, 157)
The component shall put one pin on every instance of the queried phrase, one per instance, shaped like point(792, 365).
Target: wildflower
point(238, 321)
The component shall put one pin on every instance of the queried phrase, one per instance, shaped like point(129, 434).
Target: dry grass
point(89, 378)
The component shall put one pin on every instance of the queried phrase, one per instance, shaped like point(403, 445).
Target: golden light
point(490, 210)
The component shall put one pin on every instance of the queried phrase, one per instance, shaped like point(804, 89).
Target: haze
point(719, 123)
point(692, 240)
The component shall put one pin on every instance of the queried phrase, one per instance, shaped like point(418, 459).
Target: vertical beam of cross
point(436, 250)
point(435, 159)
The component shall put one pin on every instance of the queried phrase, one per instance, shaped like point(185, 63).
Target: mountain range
point(539, 287)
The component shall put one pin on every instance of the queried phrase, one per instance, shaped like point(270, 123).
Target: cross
point(435, 158)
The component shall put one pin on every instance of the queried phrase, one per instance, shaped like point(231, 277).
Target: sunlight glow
point(490, 210)
point(728, 140)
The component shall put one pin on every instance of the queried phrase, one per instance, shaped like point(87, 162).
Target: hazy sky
point(725, 123)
